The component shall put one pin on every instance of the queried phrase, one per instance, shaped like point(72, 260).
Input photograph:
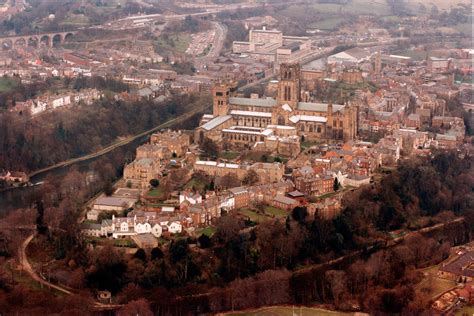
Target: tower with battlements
point(289, 87)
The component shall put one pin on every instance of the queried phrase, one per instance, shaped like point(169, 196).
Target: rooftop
point(216, 122)
point(463, 265)
point(318, 107)
point(285, 200)
point(269, 102)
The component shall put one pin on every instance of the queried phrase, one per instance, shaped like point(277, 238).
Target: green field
point(76, 19)
point(289, 311)
point(373, 7)
point(275, 212)
point(156, 192)
point(195, 184)
point(252, 215)
point(328, 24)
point(414, 54)
point(174, 42)
point(7, 84)
point(229, 155)
point(208, 231)
point(431, 280)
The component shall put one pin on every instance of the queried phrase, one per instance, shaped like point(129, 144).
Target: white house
point(131, 226)
point(174, 227)
point(61, 101)
point(38, 107)
point(192, 198)
point(227, 203)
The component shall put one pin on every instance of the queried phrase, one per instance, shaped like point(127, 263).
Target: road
point(117, 144)
point(25, 265)
point(217, 45)
point(209, 11)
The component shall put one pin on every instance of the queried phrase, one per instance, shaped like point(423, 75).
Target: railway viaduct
point(36, 40)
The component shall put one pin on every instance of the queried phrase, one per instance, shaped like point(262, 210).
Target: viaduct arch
point(37, 40)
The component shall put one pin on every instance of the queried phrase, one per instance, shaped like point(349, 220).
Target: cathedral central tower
point(289, 86)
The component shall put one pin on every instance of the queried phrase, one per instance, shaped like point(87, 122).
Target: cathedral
point(275, 124)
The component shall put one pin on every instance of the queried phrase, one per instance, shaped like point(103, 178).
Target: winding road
point(26, 266)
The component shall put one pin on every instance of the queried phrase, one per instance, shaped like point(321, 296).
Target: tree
point(108, 188)
point(138, 307)
point(336, 186)
point(209, 147)
point(179, 250)
point(299, 214)
point(204, 241)
point(229, 180)
point(154, 183)
point(40, 226)
point(250, 178)
point(140, 254)
point(156, 253)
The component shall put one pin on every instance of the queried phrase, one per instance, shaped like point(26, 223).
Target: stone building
point(244, 122)
point(139, 172)
point(176, 142)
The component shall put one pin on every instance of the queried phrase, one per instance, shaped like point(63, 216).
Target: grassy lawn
point(276, 212)
point(372, 7)
point(229, 155)
point(76, 19)
point(327, 195)
point(7, 84)
point(414, 54)
point(205, 51)
point(466, 310)
point(431, 280)
point(23, 278)
point(367, 7)
point(328, 24)
point(208, 231)
point(174, 42)
point(289, 311)
point(252, 215)
point(156, 192)
point(196, 184)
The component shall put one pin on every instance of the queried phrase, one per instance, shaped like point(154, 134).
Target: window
point(281, 120)
point(319, 129)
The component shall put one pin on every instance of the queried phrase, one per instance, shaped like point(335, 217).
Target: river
point(21, 197)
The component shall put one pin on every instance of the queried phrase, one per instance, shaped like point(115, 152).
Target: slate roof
point(253, 102)
point(216, 122)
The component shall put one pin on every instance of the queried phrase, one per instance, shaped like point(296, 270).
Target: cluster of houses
point(459, 269)
point(54, 101)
